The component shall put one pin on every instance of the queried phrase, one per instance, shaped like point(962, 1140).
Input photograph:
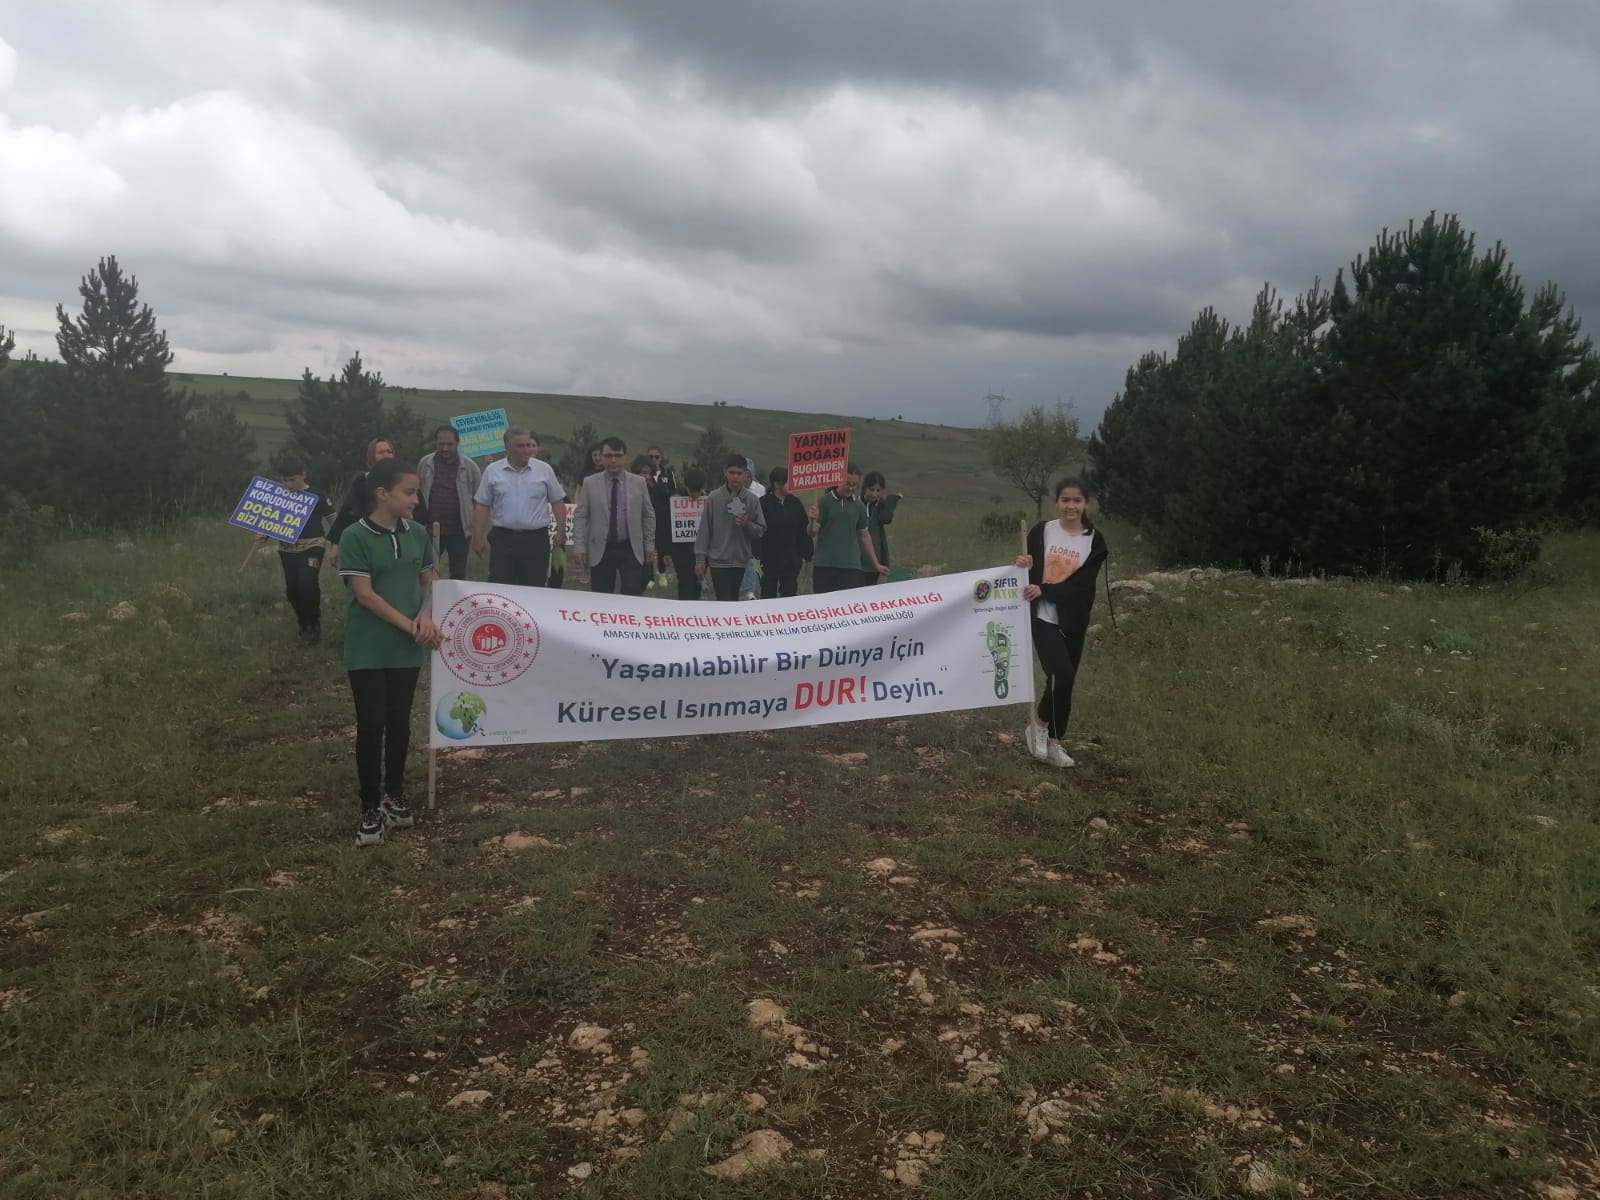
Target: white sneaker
point(1036, 741)
point(1057, 757)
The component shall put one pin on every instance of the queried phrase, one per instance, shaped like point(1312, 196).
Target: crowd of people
point(634, 525)
point(749, 539)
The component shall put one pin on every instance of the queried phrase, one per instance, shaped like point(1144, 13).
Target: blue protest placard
point(270, 508)
point(482, 433)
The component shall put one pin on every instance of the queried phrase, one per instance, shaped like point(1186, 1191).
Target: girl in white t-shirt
point(1063, 560)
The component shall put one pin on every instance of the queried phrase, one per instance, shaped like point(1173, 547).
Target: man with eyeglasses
point(614, 528)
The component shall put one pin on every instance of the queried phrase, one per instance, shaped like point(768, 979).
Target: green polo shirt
point(839, 522)
point(395, 560)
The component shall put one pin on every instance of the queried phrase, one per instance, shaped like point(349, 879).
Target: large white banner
point(520, 664)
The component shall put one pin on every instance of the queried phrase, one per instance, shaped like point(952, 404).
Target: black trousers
point(383, 730)
point(779, 581)
point(1060, 652)
point(725, 582)
point(455, 547)
point(520, 557)
point(303, 586)
point(617, 566)
point(834, 579)
point(690, 585)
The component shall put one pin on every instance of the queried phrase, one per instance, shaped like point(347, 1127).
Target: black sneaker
point(311, 635)
point(396, 814)
point(370, 831)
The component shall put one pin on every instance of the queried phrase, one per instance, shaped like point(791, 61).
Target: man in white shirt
point(518, 501)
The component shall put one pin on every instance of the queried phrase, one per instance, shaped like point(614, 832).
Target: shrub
point(995, 526)
point(24, 527)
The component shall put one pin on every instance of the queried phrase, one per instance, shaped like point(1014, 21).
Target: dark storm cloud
point(880, 208)
point(760, 48)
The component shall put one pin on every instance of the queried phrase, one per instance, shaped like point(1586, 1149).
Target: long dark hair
point(385, 473)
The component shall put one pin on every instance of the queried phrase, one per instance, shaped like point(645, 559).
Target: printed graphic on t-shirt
point(1060, 562)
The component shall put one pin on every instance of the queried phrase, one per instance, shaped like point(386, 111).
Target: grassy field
point(1317, 915)
point(923, 461)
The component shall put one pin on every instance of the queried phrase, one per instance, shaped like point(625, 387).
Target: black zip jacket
point(786, 545)
point(1074, 595)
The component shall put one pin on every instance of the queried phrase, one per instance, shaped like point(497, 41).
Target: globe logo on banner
point(487, 640)
point(459, 715)
point(980, 591)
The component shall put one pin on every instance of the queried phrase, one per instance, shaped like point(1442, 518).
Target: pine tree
point(1125, 445)
point(573, 465)
point(711, 454)
point(1450, 385)
point(220, 451)
point(1577, 367)
point(1403, 423)
point(32, 394)
point(331, 421)
point(407, 430)
point(130, 423)
point(8, 343)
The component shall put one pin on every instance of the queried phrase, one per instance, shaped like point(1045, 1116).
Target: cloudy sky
point(871, 207)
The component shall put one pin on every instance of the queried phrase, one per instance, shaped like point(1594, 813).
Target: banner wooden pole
point(254, 546)
point(1027, 620)
point(433, 754)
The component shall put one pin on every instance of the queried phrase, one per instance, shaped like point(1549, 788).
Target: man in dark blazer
point(614, 529)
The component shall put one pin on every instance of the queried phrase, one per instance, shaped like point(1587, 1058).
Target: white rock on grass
point(75, 618)
point(470, 1099)
point(1262, 1180)
point(121, 611)
point(917, 984)
point(591, 1038)
point(758, 1151)
point(770, 1018)
point(520, 841)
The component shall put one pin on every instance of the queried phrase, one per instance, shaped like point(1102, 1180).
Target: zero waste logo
point(997, 640)
point(460, 715)
point(980, 591)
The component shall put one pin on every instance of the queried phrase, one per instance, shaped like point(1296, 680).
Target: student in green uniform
point(386, 560)
point(843, 546)
point(880, 512)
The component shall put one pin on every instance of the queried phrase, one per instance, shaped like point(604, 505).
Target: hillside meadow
point(1316, 915)
point(921, 460)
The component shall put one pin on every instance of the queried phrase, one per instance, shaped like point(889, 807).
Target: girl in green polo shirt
point(386, 561)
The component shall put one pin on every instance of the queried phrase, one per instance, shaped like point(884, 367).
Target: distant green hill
point(924, 461)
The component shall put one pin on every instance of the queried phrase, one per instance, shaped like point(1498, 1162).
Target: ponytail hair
point(385, 474)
